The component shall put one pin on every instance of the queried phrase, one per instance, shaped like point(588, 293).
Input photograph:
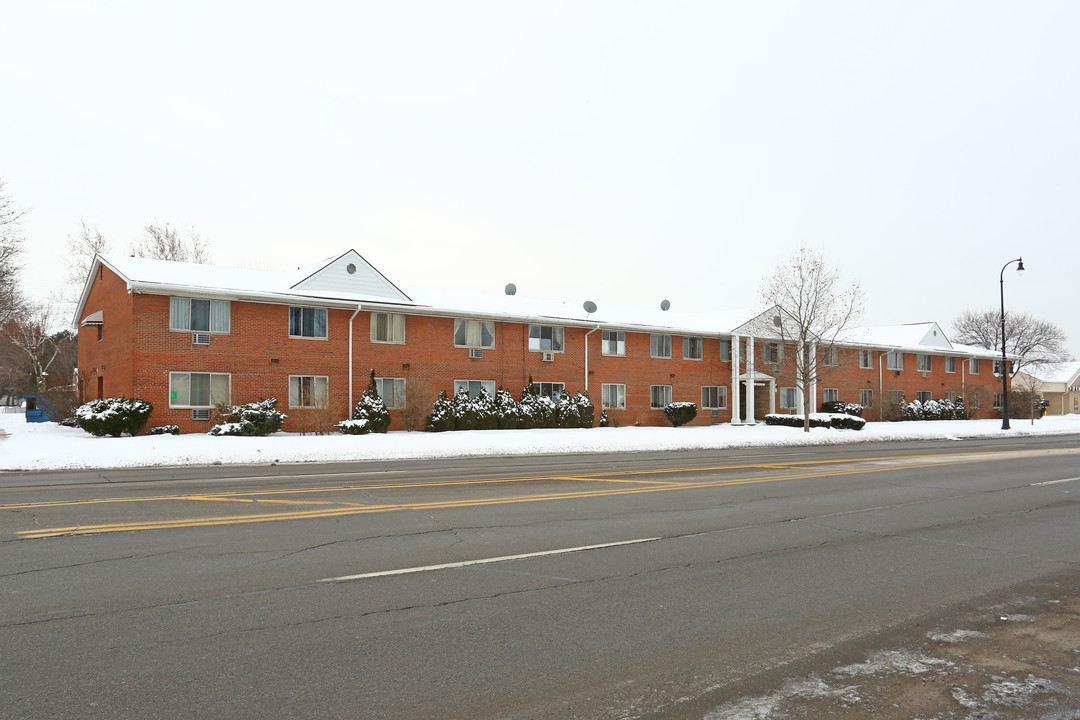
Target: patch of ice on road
point(769, 707)
point(904, 661)
point(955, 636)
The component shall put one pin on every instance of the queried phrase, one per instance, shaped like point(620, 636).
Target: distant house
point(1058, 385)
point(191, 337)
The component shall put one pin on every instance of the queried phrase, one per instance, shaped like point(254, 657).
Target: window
point(474, 333)
point(308, 391)
point(924, 396)
point(973, 401)
point(896, 397)
point(614, 343)
point(612, 397)
point(725, 351)
point(950, 364)
point(770, 353)
point(866, 397)
point(307, 322)
point(923, 363)
point(714, 397)
point(392, 392)
point(659, 395)
point(997, 400)
point(830, 395)
point(950, 395)
point(387, 328)
point(788, 398)
point(894, 360)
point(198, 390)
point(692, 348)
point(866, 359)
point(191, 315)
point(473, 387)
point(545, 338)
point(830, 356)
point(550, 390)
point(973, 366)
point(660, 346)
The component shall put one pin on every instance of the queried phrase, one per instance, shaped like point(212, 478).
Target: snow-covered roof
point(1065, 373)
point(349, 281)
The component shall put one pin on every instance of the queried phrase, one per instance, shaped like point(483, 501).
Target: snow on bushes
point(935, 410)
point(257, 418)
point(836, 421)
point(371, 409)
point(484, 412)
point(441, 417)
point(164, 430)
point(845, 408)
point(680, 413)
point(113, 416)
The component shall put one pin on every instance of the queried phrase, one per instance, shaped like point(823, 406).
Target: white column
point(736, 418)
point(750, 375)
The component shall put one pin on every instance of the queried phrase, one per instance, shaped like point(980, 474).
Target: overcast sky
point(622, 152)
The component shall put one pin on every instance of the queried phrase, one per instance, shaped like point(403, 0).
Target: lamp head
point(1020, 267)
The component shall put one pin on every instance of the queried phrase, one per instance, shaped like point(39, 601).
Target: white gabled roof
point(331, 283)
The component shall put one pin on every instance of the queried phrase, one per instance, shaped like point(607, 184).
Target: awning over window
point(95, 318)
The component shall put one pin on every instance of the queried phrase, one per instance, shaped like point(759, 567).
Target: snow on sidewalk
point(47, 446)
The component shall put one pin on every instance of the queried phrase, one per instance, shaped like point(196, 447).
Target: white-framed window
point(199, 390)
point(545, 338)
point(924, 396)
point(612, 396)
point(973, 366)
point(392, 392)
point(866, 359)
point(973, 401)
point(924, 363)
point(473, 387)
point(307, 322)
point(614, 343)
point(830, 356)
point(308, 391)
point(387, 328)
point(950, 395)
point(896, 397)
point(866, 397)
point(950, 365)
point(194, 315)
point(692, 348)
point(660, 346)
point(789, 398)
point(997, 400)
point(770, 353)
point(474, 333)
point(894, 360)
point(659, 396)
point(725, 351)
point(552, 390)
point(830, 395)
point(713, 397)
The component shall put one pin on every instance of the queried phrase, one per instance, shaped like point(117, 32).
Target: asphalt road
point(279, 591)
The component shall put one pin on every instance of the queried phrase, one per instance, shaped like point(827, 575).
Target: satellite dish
point(665, 305)
point(511, 289)
point(590, 307)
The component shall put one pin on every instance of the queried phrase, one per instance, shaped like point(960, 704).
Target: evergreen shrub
point(250, 419)
point(680, 413)
point(113, 416)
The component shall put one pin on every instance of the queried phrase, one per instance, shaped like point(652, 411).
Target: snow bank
point(47, 446)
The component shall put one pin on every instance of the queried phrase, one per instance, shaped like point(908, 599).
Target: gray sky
point(622, 152)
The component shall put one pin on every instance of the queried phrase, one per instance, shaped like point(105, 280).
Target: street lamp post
point(1004, 362)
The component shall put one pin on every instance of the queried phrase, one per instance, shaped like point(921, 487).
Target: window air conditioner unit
point(200, 414)
point(200, 338)
point(476, 353)
point(926, 374)
point(548, 356)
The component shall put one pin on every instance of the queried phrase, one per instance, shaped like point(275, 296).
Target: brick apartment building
point(188, 337)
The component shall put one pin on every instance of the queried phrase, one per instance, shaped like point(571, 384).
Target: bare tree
point(163, 242)
point(11, 248)
point(34, 334)
point(1033, 342)
point(82, 249)
point(813, 311)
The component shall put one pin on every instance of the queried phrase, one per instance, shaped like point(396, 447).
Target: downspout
point(881, 386)
point(357, 312)
point(587, 358)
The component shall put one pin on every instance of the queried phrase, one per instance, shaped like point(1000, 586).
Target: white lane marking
point(484, 561)
point(1055, 482)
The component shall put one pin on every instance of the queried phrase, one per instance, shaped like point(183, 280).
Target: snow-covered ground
point(46, 446)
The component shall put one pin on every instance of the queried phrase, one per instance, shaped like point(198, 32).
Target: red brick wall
point(139, 351)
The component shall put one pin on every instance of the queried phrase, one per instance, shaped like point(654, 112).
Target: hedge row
point(502, 412)
point(835, 421)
